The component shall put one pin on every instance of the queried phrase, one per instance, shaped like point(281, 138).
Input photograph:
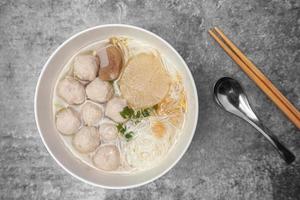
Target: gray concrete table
point(227, 158)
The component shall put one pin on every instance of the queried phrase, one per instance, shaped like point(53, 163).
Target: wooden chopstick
point(257, 76)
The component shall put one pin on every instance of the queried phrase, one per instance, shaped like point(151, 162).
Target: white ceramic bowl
point(45, 122)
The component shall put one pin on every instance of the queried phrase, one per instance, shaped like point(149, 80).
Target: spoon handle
point(285, 154)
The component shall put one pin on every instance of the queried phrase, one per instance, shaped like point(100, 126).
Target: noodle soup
point(119, 105)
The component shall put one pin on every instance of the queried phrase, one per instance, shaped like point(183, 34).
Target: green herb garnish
point(138, 114)
point(134, 116)
point(146, 112)
point(129, 135)
point(123, 130)
point(127, 113)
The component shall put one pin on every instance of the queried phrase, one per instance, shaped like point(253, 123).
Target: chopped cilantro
point(123, 130)
point(127, 112)
point(146, 112)
point(134, 116)
point(129, 135)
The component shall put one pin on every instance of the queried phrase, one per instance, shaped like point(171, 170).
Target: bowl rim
point(194, 90)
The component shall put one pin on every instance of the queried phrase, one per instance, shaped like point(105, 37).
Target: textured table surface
point(227, 158)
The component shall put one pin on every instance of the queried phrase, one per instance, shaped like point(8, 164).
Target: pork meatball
point(91, 113)
point(108, 131)
point(67, 121)
point(107, 158)
point(86, 67)
point(110, 63)
point(71, 90)
point(99, 91)
point(113, 109)
point(86, 140)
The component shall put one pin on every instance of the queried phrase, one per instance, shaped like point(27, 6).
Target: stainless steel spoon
point(229, 94)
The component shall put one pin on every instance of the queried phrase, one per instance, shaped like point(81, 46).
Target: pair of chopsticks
point(257, 76)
